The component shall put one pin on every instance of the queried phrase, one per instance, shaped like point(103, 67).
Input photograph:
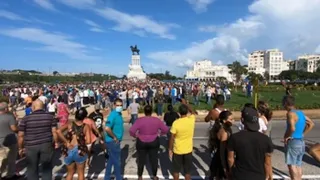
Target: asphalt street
point(311, 169)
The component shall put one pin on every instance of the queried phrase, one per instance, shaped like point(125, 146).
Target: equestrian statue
point(134, 49)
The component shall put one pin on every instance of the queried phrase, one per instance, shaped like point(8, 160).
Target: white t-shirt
point(43, 99)
point(52, 107)
point(263, 125)
point(86, 93)
point(135, 95)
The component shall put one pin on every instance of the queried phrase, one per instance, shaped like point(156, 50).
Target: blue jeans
point(173, 100)
point(74, 157)
point(159, 109)
point(196, 100)
point(209, 100)
point(294, 153)
point(133, 119)
point(114, 160)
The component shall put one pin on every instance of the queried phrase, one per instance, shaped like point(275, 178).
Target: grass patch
point(304, 100)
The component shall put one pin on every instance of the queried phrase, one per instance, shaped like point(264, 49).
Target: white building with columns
point(206, 70)
point(135, 69)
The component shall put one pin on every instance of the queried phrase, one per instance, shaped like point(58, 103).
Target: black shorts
point(182, 161)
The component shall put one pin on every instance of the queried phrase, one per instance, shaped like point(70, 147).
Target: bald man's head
point(37, 105)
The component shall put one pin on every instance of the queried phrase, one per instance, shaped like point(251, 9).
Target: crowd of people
point(47, 126)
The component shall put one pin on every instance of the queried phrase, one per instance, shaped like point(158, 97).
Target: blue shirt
point(300, 125)
point(115, 123)
point(28, 111)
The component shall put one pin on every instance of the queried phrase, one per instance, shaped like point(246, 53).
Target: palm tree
point(237, 69)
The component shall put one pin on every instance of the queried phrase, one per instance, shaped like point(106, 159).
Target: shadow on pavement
point(306, 158)
point(97, 162)
point(124, 156)
point(164, 160)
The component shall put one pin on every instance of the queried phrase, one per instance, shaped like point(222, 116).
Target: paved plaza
point(201, 157)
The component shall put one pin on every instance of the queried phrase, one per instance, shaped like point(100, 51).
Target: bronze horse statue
point(134, 49)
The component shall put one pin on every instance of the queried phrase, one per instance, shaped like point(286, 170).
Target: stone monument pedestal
point(135, 69)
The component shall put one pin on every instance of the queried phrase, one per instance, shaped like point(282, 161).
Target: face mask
point(119, 109)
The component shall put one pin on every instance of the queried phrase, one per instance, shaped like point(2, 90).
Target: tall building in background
point(308, 63)
point(273, 63)
point(256, 62)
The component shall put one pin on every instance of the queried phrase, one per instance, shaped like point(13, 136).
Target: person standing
point(37, 132)
point(181, 142)
point(62, 112)
point(113, 137)
point(213, 115)
point(133, 111)
point(174, 94)
point(160, 101)
point(146, 130)
point(123, 97)
point(218, 138)
point(298, 125)
point(75, 150)
point(195, 94)
point(8, 143)
point(52, 107)
point(253, 161)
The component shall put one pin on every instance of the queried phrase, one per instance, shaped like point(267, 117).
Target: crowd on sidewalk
point(246, 154)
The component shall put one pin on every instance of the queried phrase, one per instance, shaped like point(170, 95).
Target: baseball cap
point(250, 118)
point(97, 107)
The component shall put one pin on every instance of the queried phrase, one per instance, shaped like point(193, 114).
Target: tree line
point(37, 77)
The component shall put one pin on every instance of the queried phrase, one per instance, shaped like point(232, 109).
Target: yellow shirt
point(183, 129)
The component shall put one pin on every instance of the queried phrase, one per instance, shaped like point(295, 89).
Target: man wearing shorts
point(181, 142)
point(298, 125)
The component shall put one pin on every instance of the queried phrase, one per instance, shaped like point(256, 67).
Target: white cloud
point(15, 17)
point(53, 42)
point(200, 6)
point(94, 26)
point(209, 28)
point(80, 4)
point(11, 16)
point(136, 23)
point(46, 4)
point(290, 25)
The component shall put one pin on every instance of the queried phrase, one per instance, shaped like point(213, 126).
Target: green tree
point(237, 69)
point(266, 75)
point(252, 76)
point(55, 73)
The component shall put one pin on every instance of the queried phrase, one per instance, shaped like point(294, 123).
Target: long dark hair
point(264, 109)
point(213, 138)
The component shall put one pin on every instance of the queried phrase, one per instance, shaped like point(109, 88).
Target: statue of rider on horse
point(134, 49)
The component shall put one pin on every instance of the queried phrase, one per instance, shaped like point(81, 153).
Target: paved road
point(201, 157)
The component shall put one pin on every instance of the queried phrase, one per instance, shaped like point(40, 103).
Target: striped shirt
point(37, 128)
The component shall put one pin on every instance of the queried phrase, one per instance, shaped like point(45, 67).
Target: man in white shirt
point(43, 98)
point(123, 97)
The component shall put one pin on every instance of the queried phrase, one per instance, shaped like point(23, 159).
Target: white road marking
point(101, 175)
